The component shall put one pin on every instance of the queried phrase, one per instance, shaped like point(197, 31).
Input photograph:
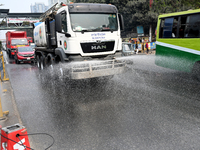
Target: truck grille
point(97, 47)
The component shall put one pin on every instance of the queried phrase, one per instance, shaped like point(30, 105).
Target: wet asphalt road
point(146, 108)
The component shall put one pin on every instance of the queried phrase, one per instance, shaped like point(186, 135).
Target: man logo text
point(98, 47)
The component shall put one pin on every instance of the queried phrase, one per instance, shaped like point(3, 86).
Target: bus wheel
point(196, 71)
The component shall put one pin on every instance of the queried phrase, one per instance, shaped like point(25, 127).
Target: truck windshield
point(93, 22)
point(19, 42)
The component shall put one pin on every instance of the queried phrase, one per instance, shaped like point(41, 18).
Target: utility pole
point(150, 33)
point(150, 28)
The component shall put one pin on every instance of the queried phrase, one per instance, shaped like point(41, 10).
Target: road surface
point(148, 107)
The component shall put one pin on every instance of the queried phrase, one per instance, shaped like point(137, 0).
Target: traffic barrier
point(2, 68)
point(14, 138)
point(3, 114)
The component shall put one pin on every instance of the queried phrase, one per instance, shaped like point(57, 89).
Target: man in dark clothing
point(136, 47)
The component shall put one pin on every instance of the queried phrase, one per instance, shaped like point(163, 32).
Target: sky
point(18, 6)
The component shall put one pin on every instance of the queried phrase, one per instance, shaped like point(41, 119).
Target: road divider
point(2, 68)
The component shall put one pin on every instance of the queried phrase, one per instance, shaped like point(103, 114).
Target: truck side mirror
point(121, 21)
point(67, 35)
point(58, 23)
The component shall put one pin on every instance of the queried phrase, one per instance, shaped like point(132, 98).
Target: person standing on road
point(143, 45)
point(140, 40)
point(147, 47)
point(136, 47)
point(130, 41)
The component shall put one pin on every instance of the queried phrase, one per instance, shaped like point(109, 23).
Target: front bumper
point(21, 58)
point(97, 69)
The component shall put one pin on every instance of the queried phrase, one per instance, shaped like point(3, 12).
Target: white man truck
point(80, 32)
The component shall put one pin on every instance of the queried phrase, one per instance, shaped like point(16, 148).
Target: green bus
point(178, 41)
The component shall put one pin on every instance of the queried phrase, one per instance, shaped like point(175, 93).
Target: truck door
point(62, 39)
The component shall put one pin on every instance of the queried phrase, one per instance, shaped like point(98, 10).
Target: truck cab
point(15, 39)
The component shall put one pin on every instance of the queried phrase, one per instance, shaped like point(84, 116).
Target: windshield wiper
point(86, 30)
point(104, 29)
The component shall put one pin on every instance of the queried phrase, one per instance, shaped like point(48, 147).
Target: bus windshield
point(19, 42)
point(94, 22)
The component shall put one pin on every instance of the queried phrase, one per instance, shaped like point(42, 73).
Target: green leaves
point(138, 12)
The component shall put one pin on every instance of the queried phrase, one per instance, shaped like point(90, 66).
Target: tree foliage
point(193, 3)
point(138, 12)
point(168, 6)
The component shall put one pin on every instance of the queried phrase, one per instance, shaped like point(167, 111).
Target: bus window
point(174, 28)
point(182, 26)
point(192, 29)
point(167, 30)
point(161, 28)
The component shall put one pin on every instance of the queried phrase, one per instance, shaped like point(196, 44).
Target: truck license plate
point(28, 58)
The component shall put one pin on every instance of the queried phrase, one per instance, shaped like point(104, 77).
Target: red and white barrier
point(14, 138)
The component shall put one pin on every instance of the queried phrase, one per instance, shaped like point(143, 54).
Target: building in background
point(38, 8)
point(52, 2)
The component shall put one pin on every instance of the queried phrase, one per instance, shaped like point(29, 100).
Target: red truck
point(15, 39)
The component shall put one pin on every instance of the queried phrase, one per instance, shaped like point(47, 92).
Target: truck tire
point(16, 61)
point(50, 60)
point(38, 61)
point(9, 53)
point(42, 63)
